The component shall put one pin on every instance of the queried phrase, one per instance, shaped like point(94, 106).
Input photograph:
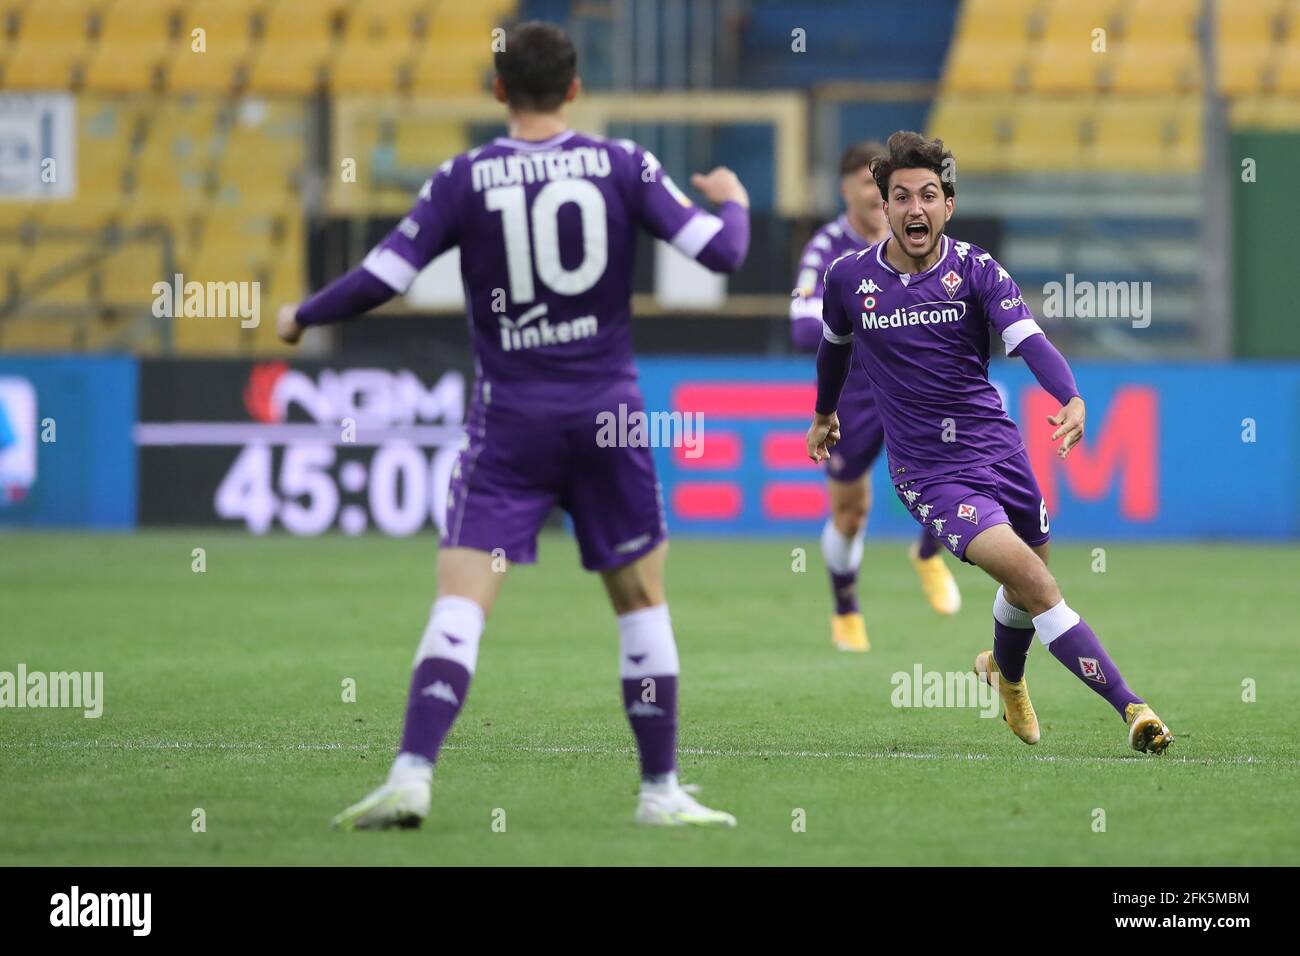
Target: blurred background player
point(546, 221)
point(924, 344)
point(848, 478)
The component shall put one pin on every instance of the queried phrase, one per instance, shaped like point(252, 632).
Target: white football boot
point(670, 804)
point(403, 801)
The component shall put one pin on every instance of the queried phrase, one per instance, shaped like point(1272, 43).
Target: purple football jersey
point(923, 342)
point(547, 235)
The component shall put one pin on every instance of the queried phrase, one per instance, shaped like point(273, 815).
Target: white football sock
point(842, 554)
point(1006, 613)
point(646, 647)
point(1055, 621)
point(454, 630)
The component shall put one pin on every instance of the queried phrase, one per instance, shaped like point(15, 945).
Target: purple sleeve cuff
point(726, 250)
point(345, 298)
point(806, 332)
point(1049, 367)
point(833, 363)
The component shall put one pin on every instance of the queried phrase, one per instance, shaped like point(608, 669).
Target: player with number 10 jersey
point(546, 220)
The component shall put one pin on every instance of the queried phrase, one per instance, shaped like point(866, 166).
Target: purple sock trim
point(927, 546)
point(1011, 648)
point(844, 589)
point(438, 691)
point(651, 707)
point(1080, 651)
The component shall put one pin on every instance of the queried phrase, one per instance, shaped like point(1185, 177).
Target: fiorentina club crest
point(1091, 669)
point(968, 512)
point(950, 282)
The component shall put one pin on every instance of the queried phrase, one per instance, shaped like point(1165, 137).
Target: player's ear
point(575, 87)
point(950, 203)
point(498, 89)
point(845, 183)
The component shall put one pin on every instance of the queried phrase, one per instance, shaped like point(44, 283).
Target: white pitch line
point(626, 751)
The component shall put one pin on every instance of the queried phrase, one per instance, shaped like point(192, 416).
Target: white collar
point(524, 144)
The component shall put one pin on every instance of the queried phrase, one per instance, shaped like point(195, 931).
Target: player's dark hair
point(536, 67)
point(859, 155)
point(909, 150)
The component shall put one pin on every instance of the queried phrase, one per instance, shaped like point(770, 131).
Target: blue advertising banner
point(1172, 451)
point(66, 453)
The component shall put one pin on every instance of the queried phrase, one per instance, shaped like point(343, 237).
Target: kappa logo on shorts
point(938, 524)
point(633, 544)
point(911, 496)
point(968, 512)
point(924, 510)
point(1092, 670)
point(953, 541)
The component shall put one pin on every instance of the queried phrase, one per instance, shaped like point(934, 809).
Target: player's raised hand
point(721, 185)
point(822, 436)
point(286, 324)
point(1070, 421)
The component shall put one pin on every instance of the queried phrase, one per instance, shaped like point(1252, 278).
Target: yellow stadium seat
point(131, 48)
point(1243, 66)
point(1066, 68)
point(1048, 134)
point(227, 47)
point(976, 68)
point(1287, 76)
point(1149, 135)
point(976, 129)
point(1266, 112)
point(20, 333)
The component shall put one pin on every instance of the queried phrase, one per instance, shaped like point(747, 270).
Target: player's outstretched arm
point(726, 249)
point(834, 356)
point(1053, 373)
point(345, 298)
point(833, 360)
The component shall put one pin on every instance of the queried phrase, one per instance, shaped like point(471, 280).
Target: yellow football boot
point(849, 632)
point(937, 582)
point(1018, 710)
point(1146, 731)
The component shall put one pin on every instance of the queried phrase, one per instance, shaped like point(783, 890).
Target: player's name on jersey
point(581, 162)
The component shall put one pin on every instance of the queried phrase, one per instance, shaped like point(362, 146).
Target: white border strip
point(244, 433)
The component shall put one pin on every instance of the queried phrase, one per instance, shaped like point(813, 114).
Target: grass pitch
point(224, 692)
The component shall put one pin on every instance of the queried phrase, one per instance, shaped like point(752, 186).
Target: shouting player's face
point(866, 208)
point(918, 211)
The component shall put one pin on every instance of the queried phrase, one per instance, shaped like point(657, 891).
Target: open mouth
point(917, 232)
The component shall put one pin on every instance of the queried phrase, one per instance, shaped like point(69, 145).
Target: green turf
point(223, 691)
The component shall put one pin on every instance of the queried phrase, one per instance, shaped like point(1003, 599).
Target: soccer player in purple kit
point(956, 459)
point(546, 221)
point(848, 479)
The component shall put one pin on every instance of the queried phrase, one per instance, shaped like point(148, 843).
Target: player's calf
point(842, 544)
point(1030, 587)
